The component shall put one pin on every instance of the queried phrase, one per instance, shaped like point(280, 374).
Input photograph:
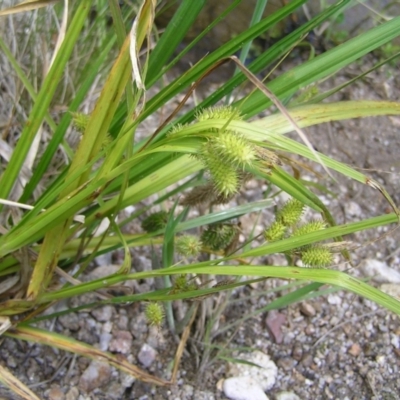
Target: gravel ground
point(335, 346)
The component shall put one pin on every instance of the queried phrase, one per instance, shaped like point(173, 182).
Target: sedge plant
point(198, 156)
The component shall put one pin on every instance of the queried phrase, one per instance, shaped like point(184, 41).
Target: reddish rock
point(96, 374)
point(274, 322)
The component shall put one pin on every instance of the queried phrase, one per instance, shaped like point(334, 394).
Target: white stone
point(353, 209)
point(392, 289)
point(102, 271)
point(334, 299)
point(395, 340)
point(105, 339)
point(380, 271)
point(243, 388)
point(104, 259)
point(264, 374)
point(287, 396)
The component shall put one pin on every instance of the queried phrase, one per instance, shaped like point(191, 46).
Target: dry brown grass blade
point(182, 344)
point(27, 5)
point(259, 85)
point(9, 380)
point(61, 33)
point(374, 184)
point(71, 345)
point(5, 324)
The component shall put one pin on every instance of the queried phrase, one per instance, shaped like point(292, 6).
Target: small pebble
point(105, 339)
point(126, 380)
point(310, 330)
point(103, 314)
point(138, 325)
point(147, 355)
point(353, 209)
point(203, 395)
point(102, 272)
point(72, 393)
point(287, 396)
point(274, 322)
point(391, 288)
point(11, 362)
point(307, 360)
point(187, 392)
point(355, 350)
point(286, 363)
point(95, 375)
point(55, 393)
point(380, 271)
point(334, 299)
point(307, 309)
point(121, 342)
point(104, 259)
point(69, 321)
point(122, 323)
point(297, 351)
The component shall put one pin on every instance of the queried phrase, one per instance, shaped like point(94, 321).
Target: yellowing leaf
point(27, 5)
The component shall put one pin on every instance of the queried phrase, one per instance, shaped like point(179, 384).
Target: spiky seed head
point(154, 314)
point(219, 112)
point(224, 176)
point(308, 227)
point(80, 121)
point(234, 149)
point(175, 129)
point(219, 236)
point(182, 284)
point(188, 245)
point(226, 182)
point(155, 221)
point(200, 194)
point(290, 213)
point(317, 257)
point(275, 232)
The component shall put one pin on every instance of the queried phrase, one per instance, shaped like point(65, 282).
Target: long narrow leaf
point(44, 99)
point(68, 344)
point(183, 18)
point(322, 66)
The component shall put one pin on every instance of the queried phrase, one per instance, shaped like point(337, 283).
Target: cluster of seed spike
point(219, 236)
point(287, 224)
point(225, 155)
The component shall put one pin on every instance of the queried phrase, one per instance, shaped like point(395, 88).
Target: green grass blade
point(44, 162)
point(309, 115)
point(173, 35)
point(44, 99)
point(186, 79)
point(266, 59)
point(322, 66)
point(328, 233)
point(225, 215)
point(194, 42)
